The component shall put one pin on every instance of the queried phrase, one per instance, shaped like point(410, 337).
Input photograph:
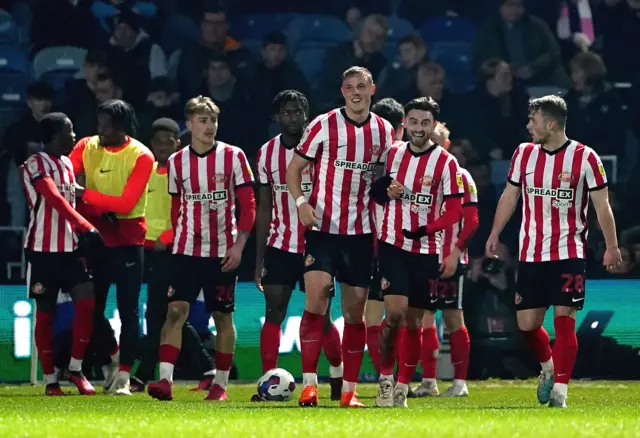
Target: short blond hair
point(200, 105)
point(357, 71)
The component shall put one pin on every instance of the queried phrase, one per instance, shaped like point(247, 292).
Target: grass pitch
point(494, 408)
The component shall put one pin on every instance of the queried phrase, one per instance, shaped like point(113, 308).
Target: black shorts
point(410, 274)
point(195, 274)
point(450, 290)
point(283, 268)
point(51, 272)
point(347, 258)
point(556, 283)
point(375, 293)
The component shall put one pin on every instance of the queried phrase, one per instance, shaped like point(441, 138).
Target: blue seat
point(455, 58)
point(257, 26)
point(178, 30)
point(60, 58)
point(399, 28)
point(105, 12)
point(12, 59)
point(451, 29)
point(317, 28)
point(310, 60)
point(9, 34)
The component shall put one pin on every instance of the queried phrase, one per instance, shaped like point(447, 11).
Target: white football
point(276, 385)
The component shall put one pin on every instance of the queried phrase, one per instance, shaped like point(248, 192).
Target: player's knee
point(317, 305)
point(177, 313)
point(353, 312)
point(373, 313)
point(454, 320)
point(275, 315)
point(224, 323)
point(395, 317)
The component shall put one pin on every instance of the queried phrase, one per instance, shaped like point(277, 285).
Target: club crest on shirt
point(37, 289)
point(384, 284)
point(601, 169)
point(565, 177)
point(375, 149)
point(426, 180)
point(219, 178)
point(518, 298)
point(309, 260)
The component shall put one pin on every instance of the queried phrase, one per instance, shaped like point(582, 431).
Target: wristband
point(301, 200)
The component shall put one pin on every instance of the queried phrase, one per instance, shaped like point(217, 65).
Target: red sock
point(373, 345)
point(409, 355)
point(82, 327)
point(460, 346)
point(429, 352)
point(224, 361)
point(310, 341)
point(353, 341)
point(332, 346)
point(125, 368)
point(387, 363)
point(402, 330)
point(565, 348)
point(168, 353)
point(538, 341)
point(44, 340)
point(269, 345)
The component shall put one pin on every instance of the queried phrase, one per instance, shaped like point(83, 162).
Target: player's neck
point(52, 152)
point(290, 141)
point(356, 117)
point(201, 147)
point(424, 148)
point(555, 142)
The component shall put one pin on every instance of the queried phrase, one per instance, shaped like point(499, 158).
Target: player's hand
point(449, 266)
point(307, 215)
point(612, 259)
point(395, 189)
point(258, 278)
point(79, 191)
point(491, 247)
point(232, 258)
point(90, 243)
point(415, 235)
point(440, 134)
point(159, 246)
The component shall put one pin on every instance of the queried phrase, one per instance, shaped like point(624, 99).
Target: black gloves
point(90, 243)
point(415, 235)
point(111, 218)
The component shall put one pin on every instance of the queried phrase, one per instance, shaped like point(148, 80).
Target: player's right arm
point(263, 216)
point(76, 155)
point(507, 203)
point(37, 174)
point(309, 149)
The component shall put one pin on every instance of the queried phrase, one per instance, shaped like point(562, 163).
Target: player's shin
point(310, 346)
point(82, 329)
point(276, 303)
point(429, 353)
point(409, 353)
point(225, 345)
point(354, 337)
point(460, 344)
point(171, 338)
point(44, 343)
point(565, 350)
point(373, 316)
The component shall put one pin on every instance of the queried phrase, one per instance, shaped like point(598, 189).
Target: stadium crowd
point(480, 64)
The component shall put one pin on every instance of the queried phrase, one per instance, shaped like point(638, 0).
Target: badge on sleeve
point(459, 180)
point(601, 168)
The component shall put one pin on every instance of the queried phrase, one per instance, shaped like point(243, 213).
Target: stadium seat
point(255, 47)
point(257, 26)
point(53, 59)
point(172, 64)
point(104, 12)
point(322, 29)
point(544, 90)
point(9, 35)
point(399, 28)
point(455, 58)
point(310, 61)
point(13, 60)
point(176, 31)
point(450, 29)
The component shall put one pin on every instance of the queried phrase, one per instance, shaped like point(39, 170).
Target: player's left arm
point(452, 186)
point(470, 218)
point(132, 192)
point(596, 181)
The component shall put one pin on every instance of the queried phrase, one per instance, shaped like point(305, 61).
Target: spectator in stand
point(364, 51)
point(131, 48)
point(598, 116)
point(81, 88)
point(525, 42)
point(430, 83)
point(233, 97)
point(21, 140)
point(500, 126)
point(398, 79)
point(213, 41)
point(162, 102)
point(275, 72)
point(106, 87)
point(621, 27)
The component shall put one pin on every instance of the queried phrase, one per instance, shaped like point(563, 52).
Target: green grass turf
point(494, 408)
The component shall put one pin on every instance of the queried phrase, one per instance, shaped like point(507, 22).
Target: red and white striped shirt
point(47, 231)
point(286, 232)
point(427, 178)
point(206, 184)
point(555, 189)
point(344, 155)
point(450, 235)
